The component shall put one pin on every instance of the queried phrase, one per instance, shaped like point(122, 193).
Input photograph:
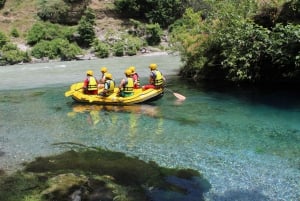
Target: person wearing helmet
point(103, 71)
point(156, 78)
point(135, 76)
point(126, 85)
point(90, 83)
point(109, 85)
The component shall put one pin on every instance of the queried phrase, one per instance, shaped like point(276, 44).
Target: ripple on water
point(243, 149)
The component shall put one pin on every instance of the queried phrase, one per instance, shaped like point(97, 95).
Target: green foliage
point(163, 12)
point(240, 50)
point(62, 11)
point(128, 8)
point(154, 32)
point(284, 51)
point(15, 33)
point(54, 10)
point(189, 33)
point(10, 54)
point(48, 31)
point(85, 29)
point(227, 46)
point(101, 49)
point(118, 49)
point(3, 39)
point(133, 44)
point(2, 3)
point(57, 48)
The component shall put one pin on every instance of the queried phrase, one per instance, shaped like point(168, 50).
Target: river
point(246, 143)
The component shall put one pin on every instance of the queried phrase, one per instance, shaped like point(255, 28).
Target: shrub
point(62, 11)
point(48, 31)
point(2, 2)
point(54, 10)
point(12, 55)
point(3, 39)
point(132, 45)
point(101, 49)
point(14, 33)
point(154, 33)
point(57, 48)
point(118, 49)
point(86, 29)
point(163, 12)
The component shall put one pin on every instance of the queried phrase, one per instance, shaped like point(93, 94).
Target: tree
point(86, 29)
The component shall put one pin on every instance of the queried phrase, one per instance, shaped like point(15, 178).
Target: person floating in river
point(135, 77)
point(90, 84)
point(156, 78)
point(126, 85)
point(109, 85)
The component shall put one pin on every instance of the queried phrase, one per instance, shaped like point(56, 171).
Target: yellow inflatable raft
point(140, 96)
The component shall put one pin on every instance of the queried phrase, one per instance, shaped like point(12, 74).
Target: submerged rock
point(102, 175)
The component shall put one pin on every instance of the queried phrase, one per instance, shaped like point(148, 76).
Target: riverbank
point(90, 55)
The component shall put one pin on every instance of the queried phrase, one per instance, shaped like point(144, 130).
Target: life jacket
point(128, 87)
point(92, 85)
point(158, 78)
point(110, 87)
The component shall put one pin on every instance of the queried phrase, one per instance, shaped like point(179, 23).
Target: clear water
point(245, 142)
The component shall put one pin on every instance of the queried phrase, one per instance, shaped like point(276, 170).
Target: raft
point(140, 96)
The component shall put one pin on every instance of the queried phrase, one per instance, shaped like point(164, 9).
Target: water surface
point(245, 142)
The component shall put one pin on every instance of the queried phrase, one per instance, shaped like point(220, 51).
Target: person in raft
point(156, 78)
point(135, 77)
point(126, 85)
point(90, 84)
point(109, 85)
point(103, 71)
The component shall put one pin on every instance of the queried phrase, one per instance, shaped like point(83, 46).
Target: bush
point(48, 31)
point(163, 12)
point(3, 39)
point(62, 11)
point(86, 29)
point(101, 49)
point(118, 49)
point(12, 55)
point(54, 10)
point(2, 2)
point(57, 48)
point(154, 33)
point(132, 45)
point(14, 33)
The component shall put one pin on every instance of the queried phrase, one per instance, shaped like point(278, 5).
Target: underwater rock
point(93, 174)
point(61, 185)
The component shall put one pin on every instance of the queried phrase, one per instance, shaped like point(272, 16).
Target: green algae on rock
point(100, 174)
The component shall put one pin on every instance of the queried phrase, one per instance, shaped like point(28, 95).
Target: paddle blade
point(69, 93)
point(179, 96)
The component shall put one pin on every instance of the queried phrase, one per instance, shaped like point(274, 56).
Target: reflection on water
point(241, 140)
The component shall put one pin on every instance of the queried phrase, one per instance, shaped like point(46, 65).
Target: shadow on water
point(277, 96)
point(96, 174)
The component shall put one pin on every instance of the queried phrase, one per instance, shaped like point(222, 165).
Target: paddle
point(69, 93)
point(177, 95)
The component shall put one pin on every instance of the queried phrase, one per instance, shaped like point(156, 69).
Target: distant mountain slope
point(23, 14)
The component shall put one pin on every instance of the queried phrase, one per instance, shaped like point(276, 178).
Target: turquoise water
point(245, 142)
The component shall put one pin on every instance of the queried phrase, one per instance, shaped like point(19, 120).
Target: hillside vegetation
point(22, 14)
point(246, 41)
